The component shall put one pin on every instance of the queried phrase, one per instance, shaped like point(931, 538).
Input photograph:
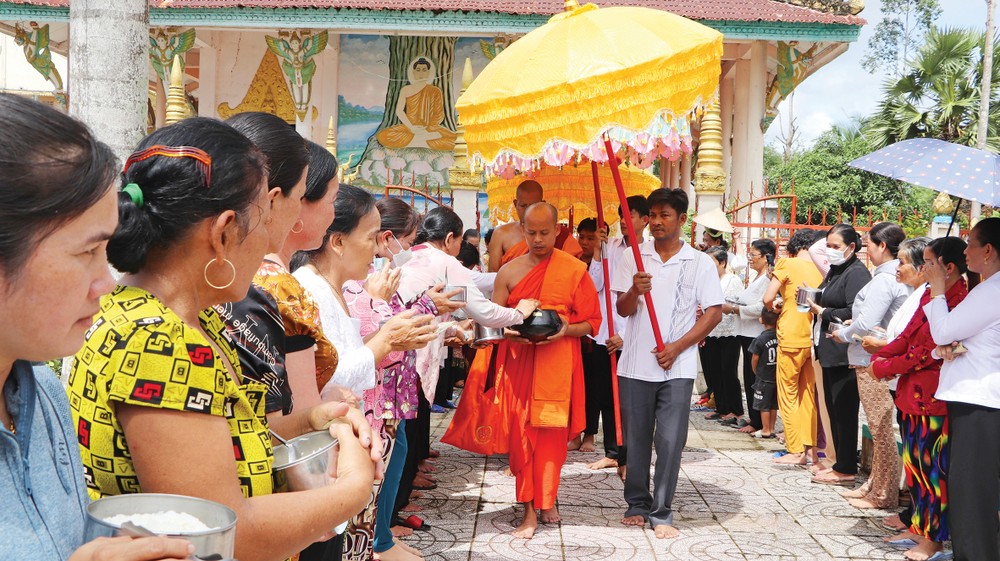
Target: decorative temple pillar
point(756, 106)
point(109, 69)
point(177, 107)
point(207, 65)
point(710, 179)
point(465, 183)
point(726, 88)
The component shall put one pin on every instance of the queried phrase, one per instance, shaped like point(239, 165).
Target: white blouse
point(972, 377)
point(752, 299)
point(356, 366)
point(732, 287)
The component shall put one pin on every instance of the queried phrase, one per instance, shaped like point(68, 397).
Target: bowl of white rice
point(210, 526)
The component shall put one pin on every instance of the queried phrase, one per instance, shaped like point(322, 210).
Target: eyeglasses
point(755, 255)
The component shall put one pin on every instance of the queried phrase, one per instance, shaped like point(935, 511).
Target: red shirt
point(909, 356)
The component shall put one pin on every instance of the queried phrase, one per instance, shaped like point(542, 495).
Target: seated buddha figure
point(420, 109)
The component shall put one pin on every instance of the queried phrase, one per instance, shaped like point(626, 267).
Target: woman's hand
point(383, 284)
point(340, 394)
point(815, 308)
point(936, 273)
point(336, 417)
point(837, 337)
point(442, 300)
point(871, 345)
point(353, 459)
point(133, 549)
point(527, 306)
point(407, 331)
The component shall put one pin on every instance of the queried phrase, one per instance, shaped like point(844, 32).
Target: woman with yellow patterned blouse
point(157, 394)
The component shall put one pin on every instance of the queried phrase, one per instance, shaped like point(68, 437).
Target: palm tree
point(938, 95)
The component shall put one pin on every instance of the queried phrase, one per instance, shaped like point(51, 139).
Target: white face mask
point(836, 256)
point(401, 257)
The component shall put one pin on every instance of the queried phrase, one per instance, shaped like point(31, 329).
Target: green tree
point(938, 95)
point(825, 183)
point(903, 24)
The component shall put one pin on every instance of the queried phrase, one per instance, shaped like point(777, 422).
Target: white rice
point(163, 522)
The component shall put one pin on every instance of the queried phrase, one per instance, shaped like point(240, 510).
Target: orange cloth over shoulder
point(564, 241)
point(532, 386)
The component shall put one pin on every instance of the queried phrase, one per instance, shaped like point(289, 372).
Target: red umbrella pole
point(607, 302)
point(634, 241)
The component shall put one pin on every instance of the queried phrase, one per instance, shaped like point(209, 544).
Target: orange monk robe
point(564, 241)
point(425, 109)
point(538, 400)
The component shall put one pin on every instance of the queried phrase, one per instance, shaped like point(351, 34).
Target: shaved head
point(528, 193)
point(542, 211)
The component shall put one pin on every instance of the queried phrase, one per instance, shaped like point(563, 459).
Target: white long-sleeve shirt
point(752, 299)
point(356, 364)
point(972, 377)
point(615, 248)
point(875, 304)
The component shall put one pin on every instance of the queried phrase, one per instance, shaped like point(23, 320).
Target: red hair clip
point(197, 154)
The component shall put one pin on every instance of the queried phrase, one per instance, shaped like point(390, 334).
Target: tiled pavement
point(731, 504)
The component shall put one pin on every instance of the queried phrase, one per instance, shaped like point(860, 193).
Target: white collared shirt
point(688, 280)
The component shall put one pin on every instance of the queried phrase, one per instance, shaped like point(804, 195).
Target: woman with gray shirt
point(748, 308)
point(874, 307)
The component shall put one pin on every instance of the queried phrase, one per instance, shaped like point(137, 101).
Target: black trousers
point(703, 356)
point(974, 481)
point(446, 380)
point(749, 379)
point(719, 361)
point(840, 385)
point(418, 434)
point(600, 398)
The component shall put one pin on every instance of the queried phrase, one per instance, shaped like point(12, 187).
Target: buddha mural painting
point(420, 109)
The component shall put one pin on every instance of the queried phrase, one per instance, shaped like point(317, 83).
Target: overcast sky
point(843, 88)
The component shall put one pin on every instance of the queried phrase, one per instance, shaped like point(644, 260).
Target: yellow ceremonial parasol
point(569, 187)
point(599, 84)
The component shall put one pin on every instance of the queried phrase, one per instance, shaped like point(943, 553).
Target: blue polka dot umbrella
point(957, 170)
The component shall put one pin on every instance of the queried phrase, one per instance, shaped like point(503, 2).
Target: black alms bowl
point(540, 325)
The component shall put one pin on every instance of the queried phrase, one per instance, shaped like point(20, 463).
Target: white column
point(757, 91)
point(207, 76)
point(741, 124)
point(108, 69)
point(726, 92)
point(328, 81)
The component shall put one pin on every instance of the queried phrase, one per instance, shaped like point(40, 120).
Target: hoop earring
point(297, 222)
point(231, 280)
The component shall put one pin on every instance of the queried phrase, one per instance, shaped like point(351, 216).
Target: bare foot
point(862, 503)
point(411, 507)
point(791, 460)
point(506, 472)
point(923, 550)
point(410, 549)
point(528, 524)
point(858, 493)
point(588, 443)
point(426, 467)
point(634, 520)
point(416, 494)
point(905, 535)
point(401, 531)
point(603, 463)
point(575, 444)
point(423, 480)
point(551, 516)
point(665, 531)
point(396, 553)
point(894, 523)
point(748, 429)
point(621, 473)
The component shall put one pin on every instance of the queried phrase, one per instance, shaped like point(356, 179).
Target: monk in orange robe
point(534, 400)
point(508, 239)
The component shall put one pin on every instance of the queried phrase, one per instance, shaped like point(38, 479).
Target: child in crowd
point(765, 361)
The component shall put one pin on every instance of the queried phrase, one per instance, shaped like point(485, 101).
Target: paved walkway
point(731, 504)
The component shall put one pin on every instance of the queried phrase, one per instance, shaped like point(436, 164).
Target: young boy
point(765, 362)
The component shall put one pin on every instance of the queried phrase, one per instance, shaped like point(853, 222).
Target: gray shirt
point(874, 306)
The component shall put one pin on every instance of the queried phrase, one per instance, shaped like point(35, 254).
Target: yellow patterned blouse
point(139, 352)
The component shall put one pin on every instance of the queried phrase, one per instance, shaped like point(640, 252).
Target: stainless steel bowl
point(463, 293)
point(306, 462)
point(219, 541)
point(487, 334)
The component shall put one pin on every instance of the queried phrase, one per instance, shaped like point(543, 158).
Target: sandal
point(413, 522)
point(713, 416)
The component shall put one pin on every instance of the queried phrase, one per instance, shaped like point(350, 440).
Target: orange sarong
point(527, 400)
point(564, 241)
